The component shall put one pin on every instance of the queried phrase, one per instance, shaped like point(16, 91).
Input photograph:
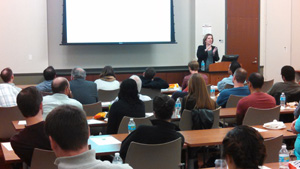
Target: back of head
point(150, 73)
point(59, 85)
point(256, 80)
point(193, 65)
point(49, 73)
point(288, 72)
point(78, 73)
point(163, 107)
point(138, 81)
point(240, 75)
point(6, 74)
point(246, 147)
point(107, 71)
point(29, 101)
point(67, 125)
point(233, 66)
point(129, 92)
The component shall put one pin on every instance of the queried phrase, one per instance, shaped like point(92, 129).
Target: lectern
point(217, 71)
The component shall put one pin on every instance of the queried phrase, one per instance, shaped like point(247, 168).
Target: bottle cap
point(117, 154)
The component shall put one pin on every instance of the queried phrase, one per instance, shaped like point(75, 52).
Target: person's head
point(233, 66)
point(29, 101)
point(60, 85)
point(67, 129)
point(107, 71)
point(240, 75)
point(163, 107)
point(208, 39)
point(128, 91)
point(149, 73)
point(78, 73)
point(288, 73)
point(198, 90)
point(256, 80)
point(193, 65)
point(49, 73)
point(7, 75)
point(138, 81)
point(243, 147)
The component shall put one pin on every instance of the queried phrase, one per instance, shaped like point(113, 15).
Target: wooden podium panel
point(217, 71)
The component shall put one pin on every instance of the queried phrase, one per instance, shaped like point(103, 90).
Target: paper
point(7, 146)
point(206, 29)
point(22, 122)
point(105, 104)
point(149, 114)
point(259, 130)
point(105, 140)
point(93, 121)
point(263, 167)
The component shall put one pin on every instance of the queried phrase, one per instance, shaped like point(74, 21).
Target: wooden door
point(242, 35)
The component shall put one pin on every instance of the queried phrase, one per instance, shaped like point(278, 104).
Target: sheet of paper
point(206, 29)
point(149, 114)
point(260, 130)
point(264, 167)
point(7, 146)
point(93, 121)
point(22, 122)
point(105, 104)
point(105, 140)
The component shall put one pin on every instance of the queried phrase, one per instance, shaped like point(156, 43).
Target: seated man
point(162, 130)
point(239, 89)
point(61, 93)
point(228, 80)
point(149, 81)
point(49, 74)
point(8, 90)
point(8, 78)
point(33, 136)
point(68, 132)
point(256, 99)
point(193, 68)
point(82, 90)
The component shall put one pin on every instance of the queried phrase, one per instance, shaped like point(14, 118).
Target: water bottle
point(131, 125)
point(212, 91)
point(220, 164)
point(202, 66)
point(117, 159)
point(177, 107)
point(282, 100)
point(284, 157)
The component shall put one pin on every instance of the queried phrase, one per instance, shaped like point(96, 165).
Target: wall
point(295, 60)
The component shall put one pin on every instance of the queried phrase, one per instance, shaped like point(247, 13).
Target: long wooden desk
point(270, 165)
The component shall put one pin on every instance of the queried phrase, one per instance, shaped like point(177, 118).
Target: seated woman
point(162, 130)
point(198, 96)
point(107, 80)
point(243, 147)
point(128, 104)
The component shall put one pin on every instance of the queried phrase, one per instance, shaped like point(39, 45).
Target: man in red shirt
point(256, 99)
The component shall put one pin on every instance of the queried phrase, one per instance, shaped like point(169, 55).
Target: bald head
point(240, 75)
point(60, 84)
point(78, 73)
point(7, 75)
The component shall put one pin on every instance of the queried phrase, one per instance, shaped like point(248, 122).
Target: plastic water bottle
point(131, 125)
point(117, 159)
point(282, 100)
point(202, 66)
point(177, 107)
point(212, 91)
point(284, 157)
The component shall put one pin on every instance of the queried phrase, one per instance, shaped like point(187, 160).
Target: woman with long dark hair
point(107, 79)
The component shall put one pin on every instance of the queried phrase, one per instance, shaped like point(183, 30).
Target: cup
point(220, 164)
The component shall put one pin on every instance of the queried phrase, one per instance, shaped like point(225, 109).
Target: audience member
point(138, 81)
point(33, 136)
point(8, 78)
point(162, 130)
point(228, 80)
point(8, 91)
point(107, 79)
point(243, 148)
point(82, 90)
point(149, 81)
point(239, 89)
point(198, 97)
point(256, 99)
point(68, 132)
point(193, 68)
point(49, 74)
point(128, 104)
point(61, 93)
point(296, 130)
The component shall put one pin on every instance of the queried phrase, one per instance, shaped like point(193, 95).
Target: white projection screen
point(118, 21)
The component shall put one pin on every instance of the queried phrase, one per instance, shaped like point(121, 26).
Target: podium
point(217, 71)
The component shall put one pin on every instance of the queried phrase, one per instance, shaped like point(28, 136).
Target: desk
point(9, 156)
point(270, 165)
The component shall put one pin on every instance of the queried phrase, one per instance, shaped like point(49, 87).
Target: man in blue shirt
point(228, 80)
point(239, 89)
point(49, 74)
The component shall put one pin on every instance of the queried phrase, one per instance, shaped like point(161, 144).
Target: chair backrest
point(150, 92)
point(267, 85)
point(168, 155)
point(7, 115)
point(148, 106)
point(233, 101)
point(107, 95)
point(92, 109)
point(273, 146)
point(256, 116)
point(186, 122)
point(43, 159)
point(228, 86)
point(216, 118)
point(123, 127)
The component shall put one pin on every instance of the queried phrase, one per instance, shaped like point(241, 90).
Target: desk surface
point(270, 165)
point(9, 156)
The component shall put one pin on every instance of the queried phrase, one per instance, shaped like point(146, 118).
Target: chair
point(186, 122)
point(233, 101)
point(141, 156)
point(267, 85)
point(148, 106)
point(273, 146)
point(46, 93)
point(7, 115)
point(43, 159)
point(256, 116)
point(92, 109)
point(107, 95)
point(228, 86)
point(150, 92)
point(123, 127)
point(208, 88)
point(216, 118)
